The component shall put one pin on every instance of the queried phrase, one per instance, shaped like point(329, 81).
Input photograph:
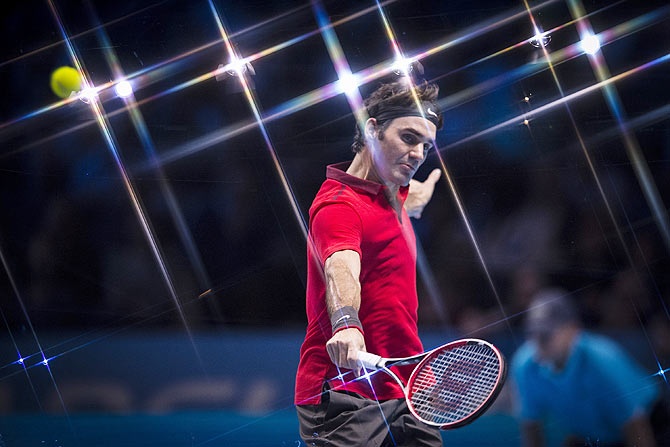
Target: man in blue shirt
point(580, 381)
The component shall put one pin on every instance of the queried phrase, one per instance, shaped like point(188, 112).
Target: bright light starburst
point(590, 44)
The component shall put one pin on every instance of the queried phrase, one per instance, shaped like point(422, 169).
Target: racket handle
point(370, 361)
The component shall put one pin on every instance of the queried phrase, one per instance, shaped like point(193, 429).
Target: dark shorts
point(347, 419)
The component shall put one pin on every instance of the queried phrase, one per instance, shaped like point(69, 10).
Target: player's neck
point(363, 167)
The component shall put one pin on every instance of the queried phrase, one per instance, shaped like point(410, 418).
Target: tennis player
point(361, 278)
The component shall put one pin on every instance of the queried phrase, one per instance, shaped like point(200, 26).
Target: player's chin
point(403, 170)
point(403, 178)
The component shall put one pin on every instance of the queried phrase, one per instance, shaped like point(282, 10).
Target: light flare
point(259, 122)
point(368, 75)
point(558, 102)
point(633, 151)
point(22, 359)
point(590, 43)
point(110, 141)
point(124, 89)
point(365, 76)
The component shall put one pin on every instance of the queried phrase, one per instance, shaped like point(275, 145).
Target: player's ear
point(371, 128)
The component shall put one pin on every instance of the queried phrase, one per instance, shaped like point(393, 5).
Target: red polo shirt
point(350, 213)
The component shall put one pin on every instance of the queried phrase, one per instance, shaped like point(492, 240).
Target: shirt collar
point(338, 172)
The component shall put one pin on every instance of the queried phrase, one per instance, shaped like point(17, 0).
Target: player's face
point(554, 347)
point(402, 149)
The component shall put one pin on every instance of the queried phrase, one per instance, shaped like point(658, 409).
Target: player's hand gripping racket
point(452, 385)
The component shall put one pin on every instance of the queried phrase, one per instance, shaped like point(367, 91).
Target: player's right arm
point(342, 271)
point(336, 234)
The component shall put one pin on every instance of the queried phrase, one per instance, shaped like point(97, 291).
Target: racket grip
point(370, 361)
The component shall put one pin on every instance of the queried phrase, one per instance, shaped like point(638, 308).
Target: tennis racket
point(452, 385)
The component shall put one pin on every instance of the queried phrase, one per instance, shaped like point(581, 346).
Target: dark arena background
point(153, 233)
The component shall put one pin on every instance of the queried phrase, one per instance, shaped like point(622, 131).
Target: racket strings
point(454, 383)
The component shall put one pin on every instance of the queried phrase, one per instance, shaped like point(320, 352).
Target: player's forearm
point(342, 287)
point(343, 299)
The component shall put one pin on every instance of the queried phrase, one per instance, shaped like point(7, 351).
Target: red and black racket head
point(455, 383)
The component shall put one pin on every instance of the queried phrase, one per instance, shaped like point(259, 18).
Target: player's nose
point(417, 153)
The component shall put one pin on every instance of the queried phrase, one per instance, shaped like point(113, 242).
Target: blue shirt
point(599, 390)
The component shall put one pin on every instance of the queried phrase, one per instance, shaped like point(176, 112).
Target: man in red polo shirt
point(361, 278)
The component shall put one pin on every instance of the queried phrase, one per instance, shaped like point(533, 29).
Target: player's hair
point(395, 94)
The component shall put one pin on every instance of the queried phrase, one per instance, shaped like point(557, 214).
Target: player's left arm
point(420, 194)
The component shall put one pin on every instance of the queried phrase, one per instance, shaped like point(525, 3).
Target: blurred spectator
point(583, 382)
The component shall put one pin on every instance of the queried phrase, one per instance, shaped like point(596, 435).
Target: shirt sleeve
point(335, 227)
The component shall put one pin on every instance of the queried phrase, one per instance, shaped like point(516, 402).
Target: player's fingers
point(352, 358)
point(344, 356)
point(359, 369)
point(331, 352)
point(335, 351)
point(434, 176)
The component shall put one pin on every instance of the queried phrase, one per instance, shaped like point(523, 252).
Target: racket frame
point(502, 374)
point(375, 362)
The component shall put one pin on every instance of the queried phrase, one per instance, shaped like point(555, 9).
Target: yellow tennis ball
point(64, 81)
